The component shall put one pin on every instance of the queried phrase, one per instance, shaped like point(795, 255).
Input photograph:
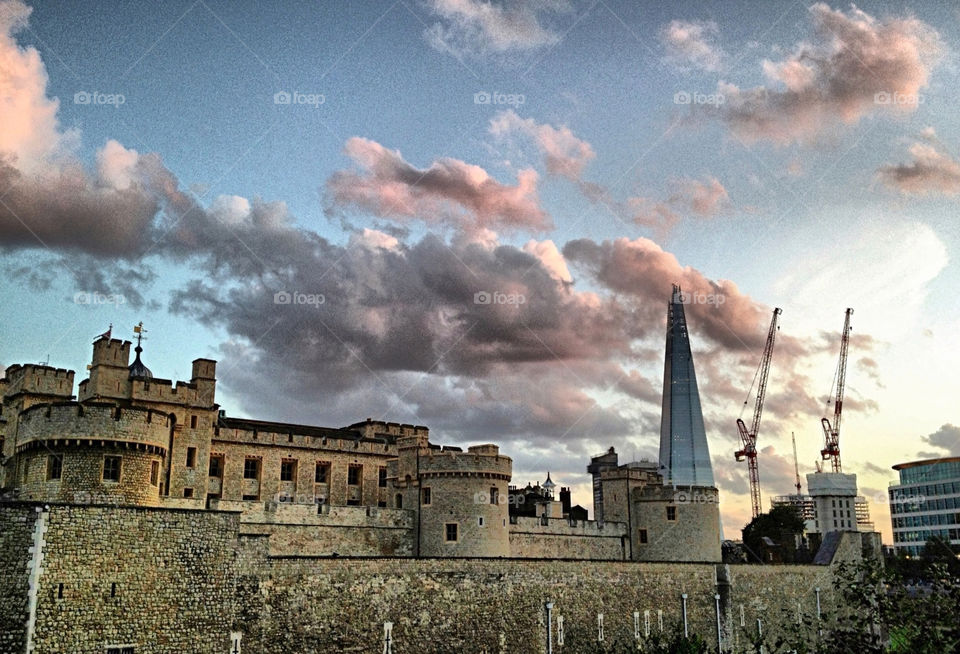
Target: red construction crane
point(749, 438)
point(831, 433)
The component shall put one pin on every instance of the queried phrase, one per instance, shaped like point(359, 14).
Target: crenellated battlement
point(477, 461)
point(373, 428)
point(39, 380)
point(56, 423)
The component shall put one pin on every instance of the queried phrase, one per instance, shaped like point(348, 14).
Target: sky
point(469, 215)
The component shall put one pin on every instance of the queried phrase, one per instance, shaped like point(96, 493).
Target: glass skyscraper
point(684, 456)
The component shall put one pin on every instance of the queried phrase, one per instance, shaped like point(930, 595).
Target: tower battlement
point(51, 424)
point(37, 379)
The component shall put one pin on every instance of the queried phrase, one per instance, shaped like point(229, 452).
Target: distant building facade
point(925, 503)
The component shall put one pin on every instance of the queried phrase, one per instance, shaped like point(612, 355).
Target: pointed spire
point(684, 455)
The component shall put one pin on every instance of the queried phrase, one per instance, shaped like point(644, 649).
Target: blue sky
point(803, 189)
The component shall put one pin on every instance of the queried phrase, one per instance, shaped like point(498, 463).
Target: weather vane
point(139, 330)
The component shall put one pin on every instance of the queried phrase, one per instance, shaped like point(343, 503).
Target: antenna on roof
point(46, 362)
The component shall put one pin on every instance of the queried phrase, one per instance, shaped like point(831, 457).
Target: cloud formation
point(930, 170)
point(566, 155)
point(449, 191)
point(692, 44)
point(946, 438)
point(853, 65)
point(478, 27)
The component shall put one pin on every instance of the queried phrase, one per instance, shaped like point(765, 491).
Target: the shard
point(684, 456)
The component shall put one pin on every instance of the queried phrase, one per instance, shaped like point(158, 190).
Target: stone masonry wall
point(561, 539)
point(184, 579)
point(312, 530)
point(81, 480)
point(466, 605)
point(16, 535)
point(162, 580)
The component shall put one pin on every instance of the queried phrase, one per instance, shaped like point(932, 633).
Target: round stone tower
point(463, 502)
point(93, 453)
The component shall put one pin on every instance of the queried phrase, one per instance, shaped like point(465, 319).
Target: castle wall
point(564, 539)
point(692, 535)
point(173, 571)
point(312, 530)
point(185, 579)
point(271, 449)
point(16, 536)
point(83, 436)
point(467, 605)
point(776, 594)
point(82, 482)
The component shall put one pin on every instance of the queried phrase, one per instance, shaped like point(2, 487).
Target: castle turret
point(109, 371)
point(91, 453)
point(460, 498)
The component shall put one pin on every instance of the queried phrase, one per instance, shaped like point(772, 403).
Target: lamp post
point(683, 598)
point(716, 599)
point(549, 607)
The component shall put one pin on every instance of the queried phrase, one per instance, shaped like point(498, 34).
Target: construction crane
point(748, 438)
point(796, 465)
point(831, 432)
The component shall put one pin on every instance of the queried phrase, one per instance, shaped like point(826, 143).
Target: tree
point(781, 525)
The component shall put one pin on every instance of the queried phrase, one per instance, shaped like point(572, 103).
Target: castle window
point(494, 495)
point(354, 474)
point(216, 465)
point(288, 470)
point(480, 521)
point(450, 532)
point(671, 513)
point(382, 477)
point(398, 501)
point(381, 504)
point(193, 422)
point(188, 492)
point(111, 468)
point(54, 466)
point(322, 473)
point(427, 496)
point(251, 468)
point(643, 537)
point(191, 457)
point(154, 472)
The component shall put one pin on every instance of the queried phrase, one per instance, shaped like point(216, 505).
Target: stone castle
point(138, 517)
point(372, 488)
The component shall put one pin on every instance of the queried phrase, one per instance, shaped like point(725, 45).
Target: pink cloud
point(448, 191)
point(854, 65)
point(931, 170)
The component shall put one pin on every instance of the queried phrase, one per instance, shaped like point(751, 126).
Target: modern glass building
point(925, 503)
point(684, 455)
